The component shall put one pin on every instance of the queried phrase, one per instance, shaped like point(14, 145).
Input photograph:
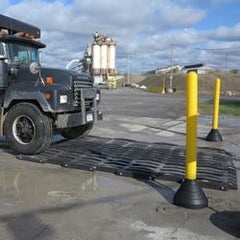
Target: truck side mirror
point(34, 68)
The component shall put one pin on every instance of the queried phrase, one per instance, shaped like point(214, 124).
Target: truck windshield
point(22, 54)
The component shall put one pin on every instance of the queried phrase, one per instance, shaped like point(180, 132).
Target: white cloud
point(176, 15)
point(226, 33)
point(142, 29)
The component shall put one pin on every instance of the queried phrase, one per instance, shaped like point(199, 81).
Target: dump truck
point(37, 102)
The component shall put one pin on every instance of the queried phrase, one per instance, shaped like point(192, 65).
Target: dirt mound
point(229, 82)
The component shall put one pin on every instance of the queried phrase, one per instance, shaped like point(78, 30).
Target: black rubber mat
point(140, 160)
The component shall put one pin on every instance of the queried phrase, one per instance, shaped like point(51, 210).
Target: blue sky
point(226, 14)
point(143, 29)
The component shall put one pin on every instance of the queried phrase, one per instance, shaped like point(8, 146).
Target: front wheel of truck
point(76, 132)
point(27, 129)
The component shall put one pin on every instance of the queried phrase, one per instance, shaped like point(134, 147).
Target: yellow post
point(190, 194)
point(191, 115)
point(163, 85)
point(216, 104)
point(214, 135)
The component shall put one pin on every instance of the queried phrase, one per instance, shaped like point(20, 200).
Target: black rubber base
point(190, 195)
point(214, 136)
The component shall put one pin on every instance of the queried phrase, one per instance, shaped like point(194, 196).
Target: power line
point(141, 54)
point(208, 49)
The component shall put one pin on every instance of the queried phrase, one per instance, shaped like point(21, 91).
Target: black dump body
point(16, 26)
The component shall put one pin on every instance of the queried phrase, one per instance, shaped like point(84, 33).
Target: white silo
point(112, 57)
point(96, 59)
point(104, 59)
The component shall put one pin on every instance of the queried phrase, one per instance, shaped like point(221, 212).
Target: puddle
point(42, 186)
point(134, 127)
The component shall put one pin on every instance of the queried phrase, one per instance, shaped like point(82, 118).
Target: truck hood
point(64, 76)
point(57, 72)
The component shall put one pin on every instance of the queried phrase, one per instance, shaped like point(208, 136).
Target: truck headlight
point(63, 98)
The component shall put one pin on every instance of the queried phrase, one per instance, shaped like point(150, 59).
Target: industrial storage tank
point(104, 59)
point(112, 57)
point(96, 59)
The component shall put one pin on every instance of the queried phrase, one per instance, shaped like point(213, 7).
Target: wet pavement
point(43, 201)
point(49, 202)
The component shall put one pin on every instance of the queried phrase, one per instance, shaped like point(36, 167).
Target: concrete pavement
point(42, 201)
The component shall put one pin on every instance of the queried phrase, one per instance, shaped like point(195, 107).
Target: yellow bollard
point(163, 86)
point(112, 82)
point(216, 104)
point(190, 194)
point(191, 117)
point(214, 135)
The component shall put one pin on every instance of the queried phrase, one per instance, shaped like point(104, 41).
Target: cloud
point(118, 17)
point(143, 29)
point(176, 15)
point(226, 33)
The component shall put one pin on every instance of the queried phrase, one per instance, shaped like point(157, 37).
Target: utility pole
point(226, 59)
point(170, 90)
point(128, 69)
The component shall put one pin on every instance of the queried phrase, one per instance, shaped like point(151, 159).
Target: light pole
point(226, 55)
point(128, 68)
point(170, 90)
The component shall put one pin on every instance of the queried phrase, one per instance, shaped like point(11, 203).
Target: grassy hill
point(229, 82)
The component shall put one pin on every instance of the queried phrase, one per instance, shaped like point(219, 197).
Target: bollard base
point(190, 195)
point(214, 136)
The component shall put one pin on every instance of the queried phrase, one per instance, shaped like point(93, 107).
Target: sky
point(202, 31)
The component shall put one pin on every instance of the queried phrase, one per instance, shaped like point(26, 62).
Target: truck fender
point(21, 96)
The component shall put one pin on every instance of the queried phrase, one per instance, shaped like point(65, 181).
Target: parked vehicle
point(37, 102)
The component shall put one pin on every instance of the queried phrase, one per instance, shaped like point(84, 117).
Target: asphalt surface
point(134, 103)
point(42, 201)
point(136, 115)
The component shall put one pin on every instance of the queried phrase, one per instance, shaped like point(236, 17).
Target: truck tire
point(76, 132)
point(27, 129)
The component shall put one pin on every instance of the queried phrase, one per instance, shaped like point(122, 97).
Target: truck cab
point(37, 102)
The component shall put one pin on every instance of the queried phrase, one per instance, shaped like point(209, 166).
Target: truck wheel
point(76, 132)
point(27, 129)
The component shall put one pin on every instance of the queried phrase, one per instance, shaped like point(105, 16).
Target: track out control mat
point(140, 160)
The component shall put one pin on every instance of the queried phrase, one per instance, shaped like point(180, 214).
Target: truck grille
point(77, 86)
